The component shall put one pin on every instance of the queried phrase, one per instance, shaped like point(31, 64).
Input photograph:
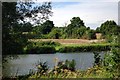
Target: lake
point(22, 64)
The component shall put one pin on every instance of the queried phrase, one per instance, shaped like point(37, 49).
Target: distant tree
point(81, 31)
point(98, 30)
point(109, 28)
point(47, 26)
point(89, 34)
point(76, 24)
point(27, 27)
point(92, 34)
point(55, 33)
point(88, 28)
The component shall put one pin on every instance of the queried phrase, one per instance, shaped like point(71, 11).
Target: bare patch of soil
point(69, 41)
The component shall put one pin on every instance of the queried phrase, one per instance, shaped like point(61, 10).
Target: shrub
point(112, 58)
point(41, 50)
point(112, 62)
point(84, 48)
point(41, 47)
point(50, 43)
point(68, 65)
point(46, 43)
point(97, 59)
point(42, 67)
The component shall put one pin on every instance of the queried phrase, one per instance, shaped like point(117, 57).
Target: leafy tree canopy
point(13, 41)
point(108, 28)
point(47, 26)
point(76, 22)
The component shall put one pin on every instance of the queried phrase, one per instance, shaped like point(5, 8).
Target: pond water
point(24, 63)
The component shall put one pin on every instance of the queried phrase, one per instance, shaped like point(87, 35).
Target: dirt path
point(68, 41)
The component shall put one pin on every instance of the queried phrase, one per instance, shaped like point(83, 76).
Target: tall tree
point(12, 14)
point(27, 27)
point(47, 26)
point(109, 28)
point(10, 40)
point(76, 23)
point(55, 33)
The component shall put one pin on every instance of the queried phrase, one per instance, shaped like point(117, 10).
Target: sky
point(92, 13)
point(119, 13)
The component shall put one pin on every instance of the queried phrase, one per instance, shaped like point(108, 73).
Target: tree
point(55, 33)
point(13, 41)
point(27, 27)
point(98, 30)
point(109, 28)
point(10, 39)
point(92, 34)
point(81, 31)
point(47, 26)
point(75, 24)
point(89, 34)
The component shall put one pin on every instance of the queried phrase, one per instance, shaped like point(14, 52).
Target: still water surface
point(23, 63)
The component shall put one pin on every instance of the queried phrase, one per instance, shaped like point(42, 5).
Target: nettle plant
point(112, 59)
point(42, 68)
point(97, 59)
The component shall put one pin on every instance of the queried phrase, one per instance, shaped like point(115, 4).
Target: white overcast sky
point(92, 12)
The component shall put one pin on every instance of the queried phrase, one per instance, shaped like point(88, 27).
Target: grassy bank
point(41, 50)
point(46, 47)
point(95, 72)
point(86, 47)
point(52, 47)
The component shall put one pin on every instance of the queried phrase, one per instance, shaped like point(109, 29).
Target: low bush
point(97, 59)
point(48, 43)
point(42, 67)
point(61, 72)
point(85, 48)
point(62, 65)
point(41, 50)
point(112, 62)
point(41, 47)
point(44, 43)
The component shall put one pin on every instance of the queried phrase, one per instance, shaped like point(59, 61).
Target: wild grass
point(94, 72)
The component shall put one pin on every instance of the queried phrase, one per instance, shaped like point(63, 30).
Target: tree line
point(75, 30)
